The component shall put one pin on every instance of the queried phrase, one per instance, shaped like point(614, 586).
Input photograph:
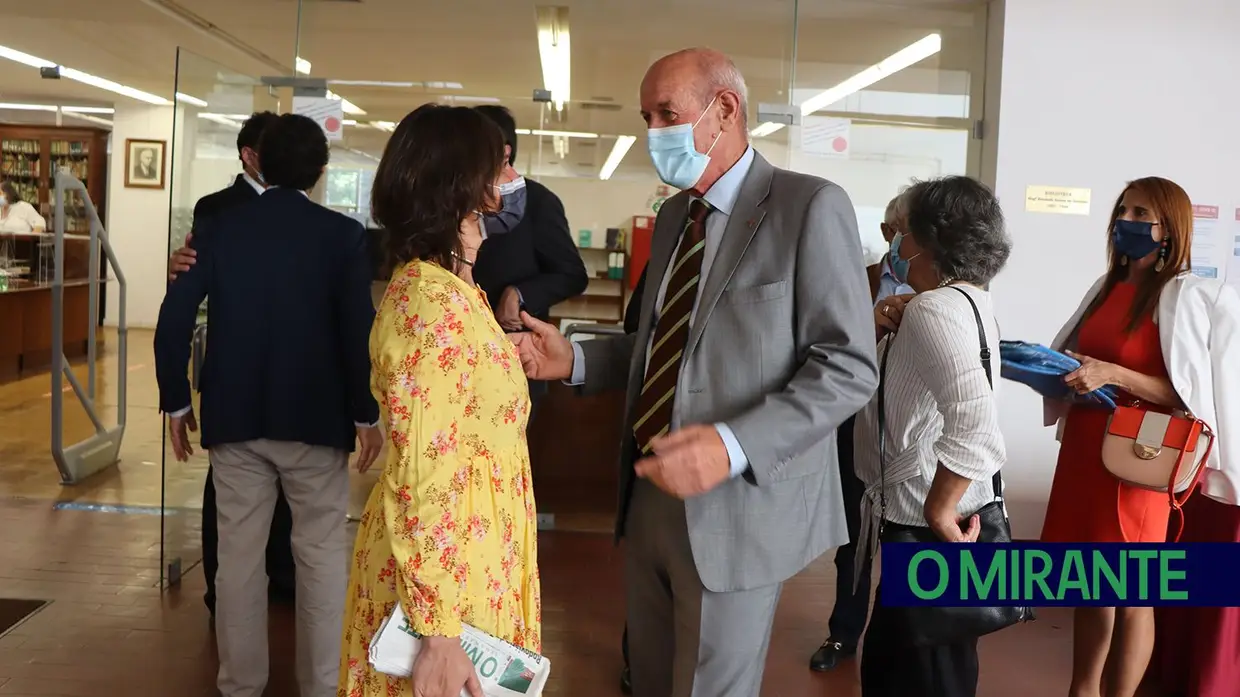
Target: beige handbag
point(1157, 451)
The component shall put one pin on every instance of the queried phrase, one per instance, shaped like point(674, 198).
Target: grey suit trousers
point(316, 483)
point(686, 641)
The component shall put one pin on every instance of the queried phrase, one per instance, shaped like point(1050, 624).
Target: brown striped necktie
point(671, 333)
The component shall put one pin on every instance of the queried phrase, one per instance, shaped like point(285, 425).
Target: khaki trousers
point(316, 483)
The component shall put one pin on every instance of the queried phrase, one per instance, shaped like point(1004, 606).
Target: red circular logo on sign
point(839, 144)
point(332, 124)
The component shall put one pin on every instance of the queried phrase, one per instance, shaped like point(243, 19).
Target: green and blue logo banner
point(1071, 575)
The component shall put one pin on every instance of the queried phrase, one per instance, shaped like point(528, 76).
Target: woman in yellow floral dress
point(449, 530)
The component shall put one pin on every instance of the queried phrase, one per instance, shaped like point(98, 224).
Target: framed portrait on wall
point(145, 161)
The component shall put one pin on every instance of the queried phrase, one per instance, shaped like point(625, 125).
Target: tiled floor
point(110, 631)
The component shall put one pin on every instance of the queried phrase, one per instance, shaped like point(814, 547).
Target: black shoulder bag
point(932, 626)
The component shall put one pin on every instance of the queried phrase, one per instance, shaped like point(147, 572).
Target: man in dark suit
point(535, 265)
point(285, 390)
point(245, 188)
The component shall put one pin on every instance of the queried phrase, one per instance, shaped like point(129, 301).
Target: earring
point(1123, 261)
point(1162, 259)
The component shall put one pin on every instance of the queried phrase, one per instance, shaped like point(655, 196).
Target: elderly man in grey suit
point(756, 341)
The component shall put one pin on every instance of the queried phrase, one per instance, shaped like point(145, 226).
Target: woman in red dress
point(1120, 336)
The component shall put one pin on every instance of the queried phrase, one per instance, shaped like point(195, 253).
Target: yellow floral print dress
point(449, 531)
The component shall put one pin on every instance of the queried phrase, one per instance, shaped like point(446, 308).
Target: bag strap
point(996, 482)
point(984, 352)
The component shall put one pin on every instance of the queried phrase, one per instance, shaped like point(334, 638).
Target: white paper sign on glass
point(826, 136)
point(327, 113)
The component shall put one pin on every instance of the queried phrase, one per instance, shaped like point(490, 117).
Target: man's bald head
point(702, 72)
point(703, 88)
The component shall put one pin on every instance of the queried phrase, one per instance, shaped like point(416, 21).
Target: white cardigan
point(1199, 329)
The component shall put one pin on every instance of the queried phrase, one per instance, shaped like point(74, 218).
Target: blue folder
point(1044, 369)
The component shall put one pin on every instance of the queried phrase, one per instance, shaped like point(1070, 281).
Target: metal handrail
point(102, 450)
point(596, 329)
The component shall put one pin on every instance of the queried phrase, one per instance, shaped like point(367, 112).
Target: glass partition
point(886, 94)
point(213, 101)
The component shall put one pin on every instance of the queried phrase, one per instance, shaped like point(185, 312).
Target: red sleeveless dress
point(1087, 503)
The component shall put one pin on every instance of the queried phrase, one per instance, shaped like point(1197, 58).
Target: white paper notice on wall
point(327, 113)
point(1057, 199)
point(1204, 255)
point(826, 136)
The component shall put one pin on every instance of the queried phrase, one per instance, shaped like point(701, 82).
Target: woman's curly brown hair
point(438, 168)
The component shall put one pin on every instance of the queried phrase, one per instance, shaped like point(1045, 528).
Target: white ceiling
point(489, 46)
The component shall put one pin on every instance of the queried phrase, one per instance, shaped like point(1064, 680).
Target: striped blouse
point(940, 408)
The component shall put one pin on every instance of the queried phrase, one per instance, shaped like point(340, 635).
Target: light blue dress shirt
point(722, 199)
point(888, 285)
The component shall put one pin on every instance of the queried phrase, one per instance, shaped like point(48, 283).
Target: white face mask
point(4, 200)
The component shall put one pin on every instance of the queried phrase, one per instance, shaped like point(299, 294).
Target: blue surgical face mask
point(4, 200)
point(1134, 238)
point(512, 197)
point(899, 265)
point(674, 154)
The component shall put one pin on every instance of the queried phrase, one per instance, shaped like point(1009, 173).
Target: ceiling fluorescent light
point(92, 119)
point(388, 126)
point(88, 110)
point(302, 66)
point(905, 57)
point(477, 100)
point(182, 97)
point(765, 129)
point(349, 122)
point(560, 134)
point(346, 105)
point(106, 84)
point(222, 120)
point(27, 107)
point(85, 78)
point(553, 50)
point(25, 58)
point(373, 83)
point(618, 151)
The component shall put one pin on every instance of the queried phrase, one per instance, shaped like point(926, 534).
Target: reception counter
point(26, 326)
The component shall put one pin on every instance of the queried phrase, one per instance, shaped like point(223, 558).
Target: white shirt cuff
point(737, 460)
point(362, 425)
point(180, 412)
point(579, 366)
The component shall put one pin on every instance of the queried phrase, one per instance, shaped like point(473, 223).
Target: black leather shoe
point(626, 681)
point(829, 655)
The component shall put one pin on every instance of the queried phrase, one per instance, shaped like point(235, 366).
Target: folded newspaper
point(503, 669)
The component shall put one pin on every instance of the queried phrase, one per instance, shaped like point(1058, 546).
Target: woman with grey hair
point(928, 446)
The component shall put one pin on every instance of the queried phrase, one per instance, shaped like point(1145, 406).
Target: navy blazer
point(213, 204)
point(537, 257)
point(287, 354)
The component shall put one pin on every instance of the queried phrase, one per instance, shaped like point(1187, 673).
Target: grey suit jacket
point(782, 350)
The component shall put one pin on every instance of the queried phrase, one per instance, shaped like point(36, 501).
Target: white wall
point(1095, 94)
point(138, 218)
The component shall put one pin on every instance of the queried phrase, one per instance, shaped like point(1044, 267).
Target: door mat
point(14, 611)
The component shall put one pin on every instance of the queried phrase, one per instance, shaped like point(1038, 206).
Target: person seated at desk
point(17, 215)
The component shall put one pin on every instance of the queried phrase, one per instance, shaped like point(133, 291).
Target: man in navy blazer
point(245, 188)
point(285, 391)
